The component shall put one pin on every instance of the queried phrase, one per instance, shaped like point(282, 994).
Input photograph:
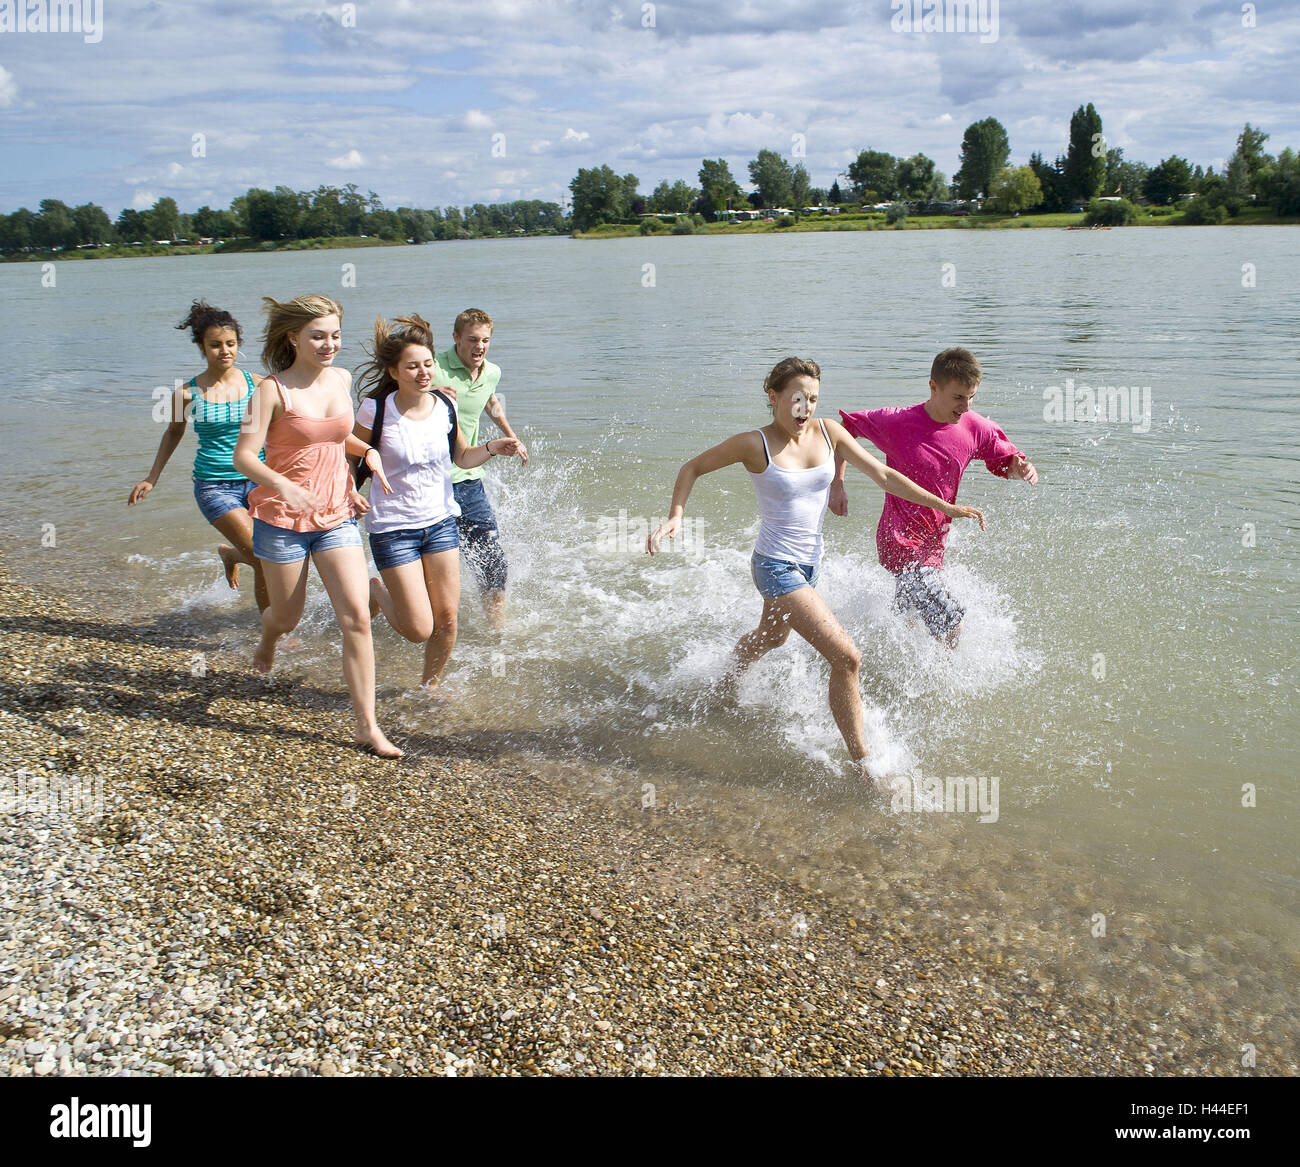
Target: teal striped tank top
point(216, 425)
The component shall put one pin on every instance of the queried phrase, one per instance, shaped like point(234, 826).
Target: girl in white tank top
point(792, 496)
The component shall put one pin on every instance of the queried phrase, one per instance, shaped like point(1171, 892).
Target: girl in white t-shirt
point(412, 531)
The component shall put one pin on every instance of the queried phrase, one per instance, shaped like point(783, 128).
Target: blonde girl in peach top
point(305, 505)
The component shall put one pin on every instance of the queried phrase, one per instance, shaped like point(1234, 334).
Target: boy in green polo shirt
point(466, 369)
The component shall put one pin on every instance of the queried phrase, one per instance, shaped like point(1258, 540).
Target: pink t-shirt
point(932, 454)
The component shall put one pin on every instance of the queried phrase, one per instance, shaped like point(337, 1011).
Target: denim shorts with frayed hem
point(217, 498)
point(281, 545)
point(398, 548)
point(779, 577)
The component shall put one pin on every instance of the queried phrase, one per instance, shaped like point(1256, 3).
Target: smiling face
point(793, 407)
point(414, 370)
point(221, 347)
point(319, 341)
point(949, 400)
point(472, 345)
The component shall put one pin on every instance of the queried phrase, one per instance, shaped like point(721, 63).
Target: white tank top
point(791, 506)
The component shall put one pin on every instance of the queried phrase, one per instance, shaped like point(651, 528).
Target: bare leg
point(809, 616)
point(286, 585)
point(442, 583)
point(343, 572)
point(403, 597)
point(237, 526)
point(772, 631)
point(495, 603)
point(953, 637)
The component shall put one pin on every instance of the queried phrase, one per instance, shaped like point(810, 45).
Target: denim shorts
point(779, 577)
point(218, 498)
point(282, 545)
point(397, 548)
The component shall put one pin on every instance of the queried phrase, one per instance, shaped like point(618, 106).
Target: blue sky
point(410, 98)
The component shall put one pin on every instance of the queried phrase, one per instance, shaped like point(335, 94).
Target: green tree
point(1250, 148)
point(260, 210)
point(212, 224)
point(985, 149)
point(719, 191)
point(163, 219)
point(93, 225)
point(833, 196)
point(1168, 181)
point(874, 173)
point(17, 231)
point(131, 226)
point(1051, 180)
point(773, 177)
point(1085, 160)
point(800, 189)
point(599, 196)
point(1281, 183)
point(1123, 177)
point(673, 198)
point(417, 225)
point(1016, 190)
point(915, 177)
point(55, 226)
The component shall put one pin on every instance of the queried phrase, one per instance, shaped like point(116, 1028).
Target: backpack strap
point(376, 431)
point(453, 434)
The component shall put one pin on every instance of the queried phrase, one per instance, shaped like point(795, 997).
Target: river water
point(1128, 670)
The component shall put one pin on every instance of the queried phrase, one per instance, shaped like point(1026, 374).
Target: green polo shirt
point(471, 397)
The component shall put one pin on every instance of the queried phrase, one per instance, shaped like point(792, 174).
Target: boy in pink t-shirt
point(931, 443)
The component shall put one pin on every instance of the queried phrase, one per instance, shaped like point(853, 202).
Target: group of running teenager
point(281, 459)
point(281, 456)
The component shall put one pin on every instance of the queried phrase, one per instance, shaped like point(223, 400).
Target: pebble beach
point(253, 896)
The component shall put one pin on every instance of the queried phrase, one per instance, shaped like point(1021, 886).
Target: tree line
point(1084, 171)
point(280, 214)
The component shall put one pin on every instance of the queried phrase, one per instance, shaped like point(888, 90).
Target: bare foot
point(264, 656)
point(229, 563)
point(433, 690)
point(375, 743)
point(883, 782)
point(375, 585)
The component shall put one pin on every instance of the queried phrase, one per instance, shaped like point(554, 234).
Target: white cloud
point(572, 135)
point(476, 119)
point(352, 160)
point(175, 170)
point(142, 200)
point(8, 88)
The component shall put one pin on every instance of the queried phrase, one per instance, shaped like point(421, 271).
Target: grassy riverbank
point(876, 221)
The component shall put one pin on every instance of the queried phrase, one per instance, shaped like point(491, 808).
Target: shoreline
point(809, 225)
point(258, 897)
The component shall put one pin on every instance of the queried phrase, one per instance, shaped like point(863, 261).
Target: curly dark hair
point(203, 316)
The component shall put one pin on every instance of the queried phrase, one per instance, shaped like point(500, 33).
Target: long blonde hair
point(285, 319)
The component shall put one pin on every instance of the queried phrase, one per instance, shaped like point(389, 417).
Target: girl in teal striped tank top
point(216, 400)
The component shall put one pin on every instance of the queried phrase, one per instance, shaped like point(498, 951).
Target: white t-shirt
point(417, 463)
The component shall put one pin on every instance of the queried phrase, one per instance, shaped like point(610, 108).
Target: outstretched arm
point(891, 481)
point(1022, 469)
point(166, 448)
point(496, 410)
point(737, 448)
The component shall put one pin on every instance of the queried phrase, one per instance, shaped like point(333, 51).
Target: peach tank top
point(309, 452)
